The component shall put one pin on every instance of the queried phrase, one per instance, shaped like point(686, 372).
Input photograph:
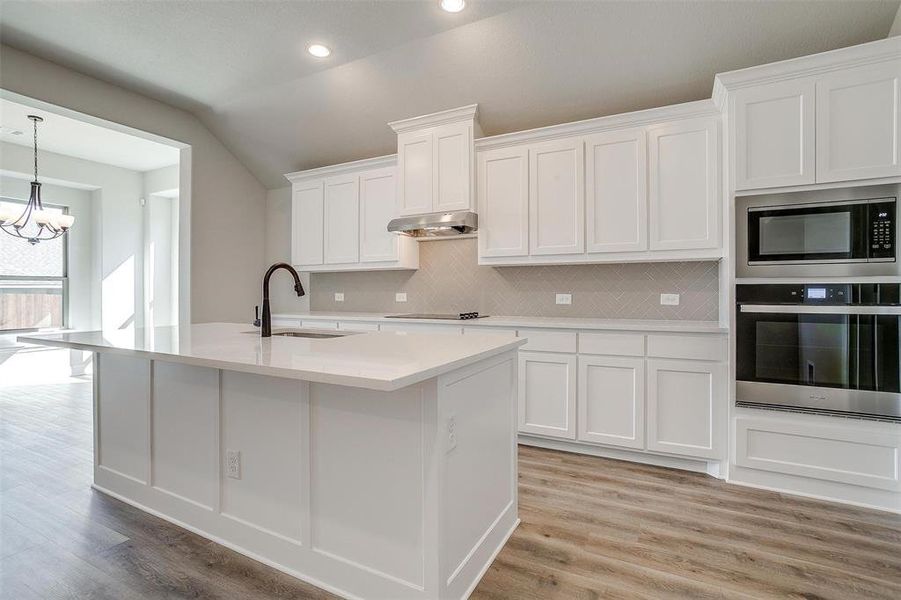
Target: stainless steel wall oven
point(831, 348)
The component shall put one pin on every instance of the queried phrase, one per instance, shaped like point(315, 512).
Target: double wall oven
point(818, 302)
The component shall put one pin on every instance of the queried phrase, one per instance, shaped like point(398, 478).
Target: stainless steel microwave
point(825, 233)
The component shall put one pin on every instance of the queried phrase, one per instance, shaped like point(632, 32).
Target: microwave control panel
point(882, 230)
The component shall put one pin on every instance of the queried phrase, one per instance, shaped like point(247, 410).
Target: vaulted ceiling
point(242, 66)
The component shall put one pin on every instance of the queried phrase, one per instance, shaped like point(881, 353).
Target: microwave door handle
point(811, 379)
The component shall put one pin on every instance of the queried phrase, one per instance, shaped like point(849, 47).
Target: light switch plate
point(400, 297)
point(564, 298)
point(669, 299)
point(339, 296)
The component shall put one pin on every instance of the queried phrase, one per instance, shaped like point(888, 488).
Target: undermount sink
point(307, 333)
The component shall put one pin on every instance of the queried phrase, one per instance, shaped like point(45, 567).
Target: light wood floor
point(591, 528)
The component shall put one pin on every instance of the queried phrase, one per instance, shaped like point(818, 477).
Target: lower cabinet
point(547, 394)
point(686, 410)
point(611, 400)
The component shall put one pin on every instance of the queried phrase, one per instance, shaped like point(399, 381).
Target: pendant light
point(34, 224)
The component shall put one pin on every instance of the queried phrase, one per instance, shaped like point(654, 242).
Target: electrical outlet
point(400, 297)
point(339, 296)
point(669, 299)
point(451, 432)
point(233, 464)
point(564, 298)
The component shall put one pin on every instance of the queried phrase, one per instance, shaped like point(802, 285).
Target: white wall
point(228, 203)
point(117, 196)
point(896, 26)
point(83, 292)
point(278, 249)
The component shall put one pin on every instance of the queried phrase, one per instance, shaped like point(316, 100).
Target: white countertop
point(383, 361)
point(528, 322)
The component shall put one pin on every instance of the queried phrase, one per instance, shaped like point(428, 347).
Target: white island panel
point(122, 403)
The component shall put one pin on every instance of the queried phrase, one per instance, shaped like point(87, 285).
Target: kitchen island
point(374, 465)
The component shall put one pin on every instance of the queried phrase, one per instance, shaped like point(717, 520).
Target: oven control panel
point(882, 230)
point(830, 294)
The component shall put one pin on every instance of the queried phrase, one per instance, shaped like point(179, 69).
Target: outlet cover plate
point(669, 299)
point(339, 296)
point(233, 464)
point(564, 298)
point(400, 297)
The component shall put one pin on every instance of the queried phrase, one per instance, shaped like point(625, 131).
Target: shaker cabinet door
point(611, 400)
point(414, 173)
point(616, 204)
point(557, 197)
point(774, 135)
point(547, 394)
point(859, 123)
point(453, 167)
point(307, 223)
point(684, 188)
point(342, 220)
point(504, 202)
point(377, 208)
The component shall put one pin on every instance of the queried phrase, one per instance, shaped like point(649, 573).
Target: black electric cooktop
point(464, 316)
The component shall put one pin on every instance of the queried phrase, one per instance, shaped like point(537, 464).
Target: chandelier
point(35, 224)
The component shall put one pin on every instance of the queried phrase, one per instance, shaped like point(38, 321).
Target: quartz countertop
point(648, 325)
point(383, 361)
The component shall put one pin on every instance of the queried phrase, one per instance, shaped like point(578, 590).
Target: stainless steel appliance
point(436, 224)
point(831, 348)
point(849, 232)
point(464, 316)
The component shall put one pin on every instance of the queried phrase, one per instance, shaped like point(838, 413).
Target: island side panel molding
point(185, 432)
point(265, 420)
point(371, 515)
point(122, 416)
point(477, 421)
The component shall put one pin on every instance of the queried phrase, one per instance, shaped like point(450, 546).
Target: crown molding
point(652, 116)
point(378, 162)
point(807, 66)
point(452, 115)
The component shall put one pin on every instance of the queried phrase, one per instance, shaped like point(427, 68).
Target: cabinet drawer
point(548, 341)
point(319, 324)
point(616, 344)
point(356, 326)
point(422, 328)
point(490, 330)
point(847, 454)
point(694, 347)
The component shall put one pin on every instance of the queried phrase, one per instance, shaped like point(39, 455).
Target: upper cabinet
point(832, 117)
point(684, 186)
point(616, 178)
point(859, 123)
point(776, 124)
point(623, 194)
point(435, 161)
point(340, 218)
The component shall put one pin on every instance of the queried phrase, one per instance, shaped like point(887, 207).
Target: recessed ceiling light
point(452, 6)
point(318, 50)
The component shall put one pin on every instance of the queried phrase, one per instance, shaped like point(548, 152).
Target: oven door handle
point(793, 309)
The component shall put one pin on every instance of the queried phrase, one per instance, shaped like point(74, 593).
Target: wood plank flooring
point(591, 528)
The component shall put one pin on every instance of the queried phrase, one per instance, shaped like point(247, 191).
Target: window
point(33, 280)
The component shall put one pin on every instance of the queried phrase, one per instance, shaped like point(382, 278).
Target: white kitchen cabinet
point(377, 205)
point(611, 400)
point(686, 407)
point(342, 220)
point(547, 394)
point(557, 197)
point(774, 135)
point(415, 172)
point(616, 202)
point(307, 223)
point(453, 156)
point(435, 161)
point(684, 194)
point(858, 117)
point(503, 176)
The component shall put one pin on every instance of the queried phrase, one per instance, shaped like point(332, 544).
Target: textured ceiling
point(241, 66)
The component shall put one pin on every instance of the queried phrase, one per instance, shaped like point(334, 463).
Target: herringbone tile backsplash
point(449, 280)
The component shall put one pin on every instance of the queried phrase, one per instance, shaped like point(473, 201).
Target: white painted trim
point(469, 112)
point(702, 255)
point(663, 114)
point(806, 66)
point(389, 160)
point(820, 497)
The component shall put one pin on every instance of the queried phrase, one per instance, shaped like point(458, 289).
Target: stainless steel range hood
point(436, 224)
